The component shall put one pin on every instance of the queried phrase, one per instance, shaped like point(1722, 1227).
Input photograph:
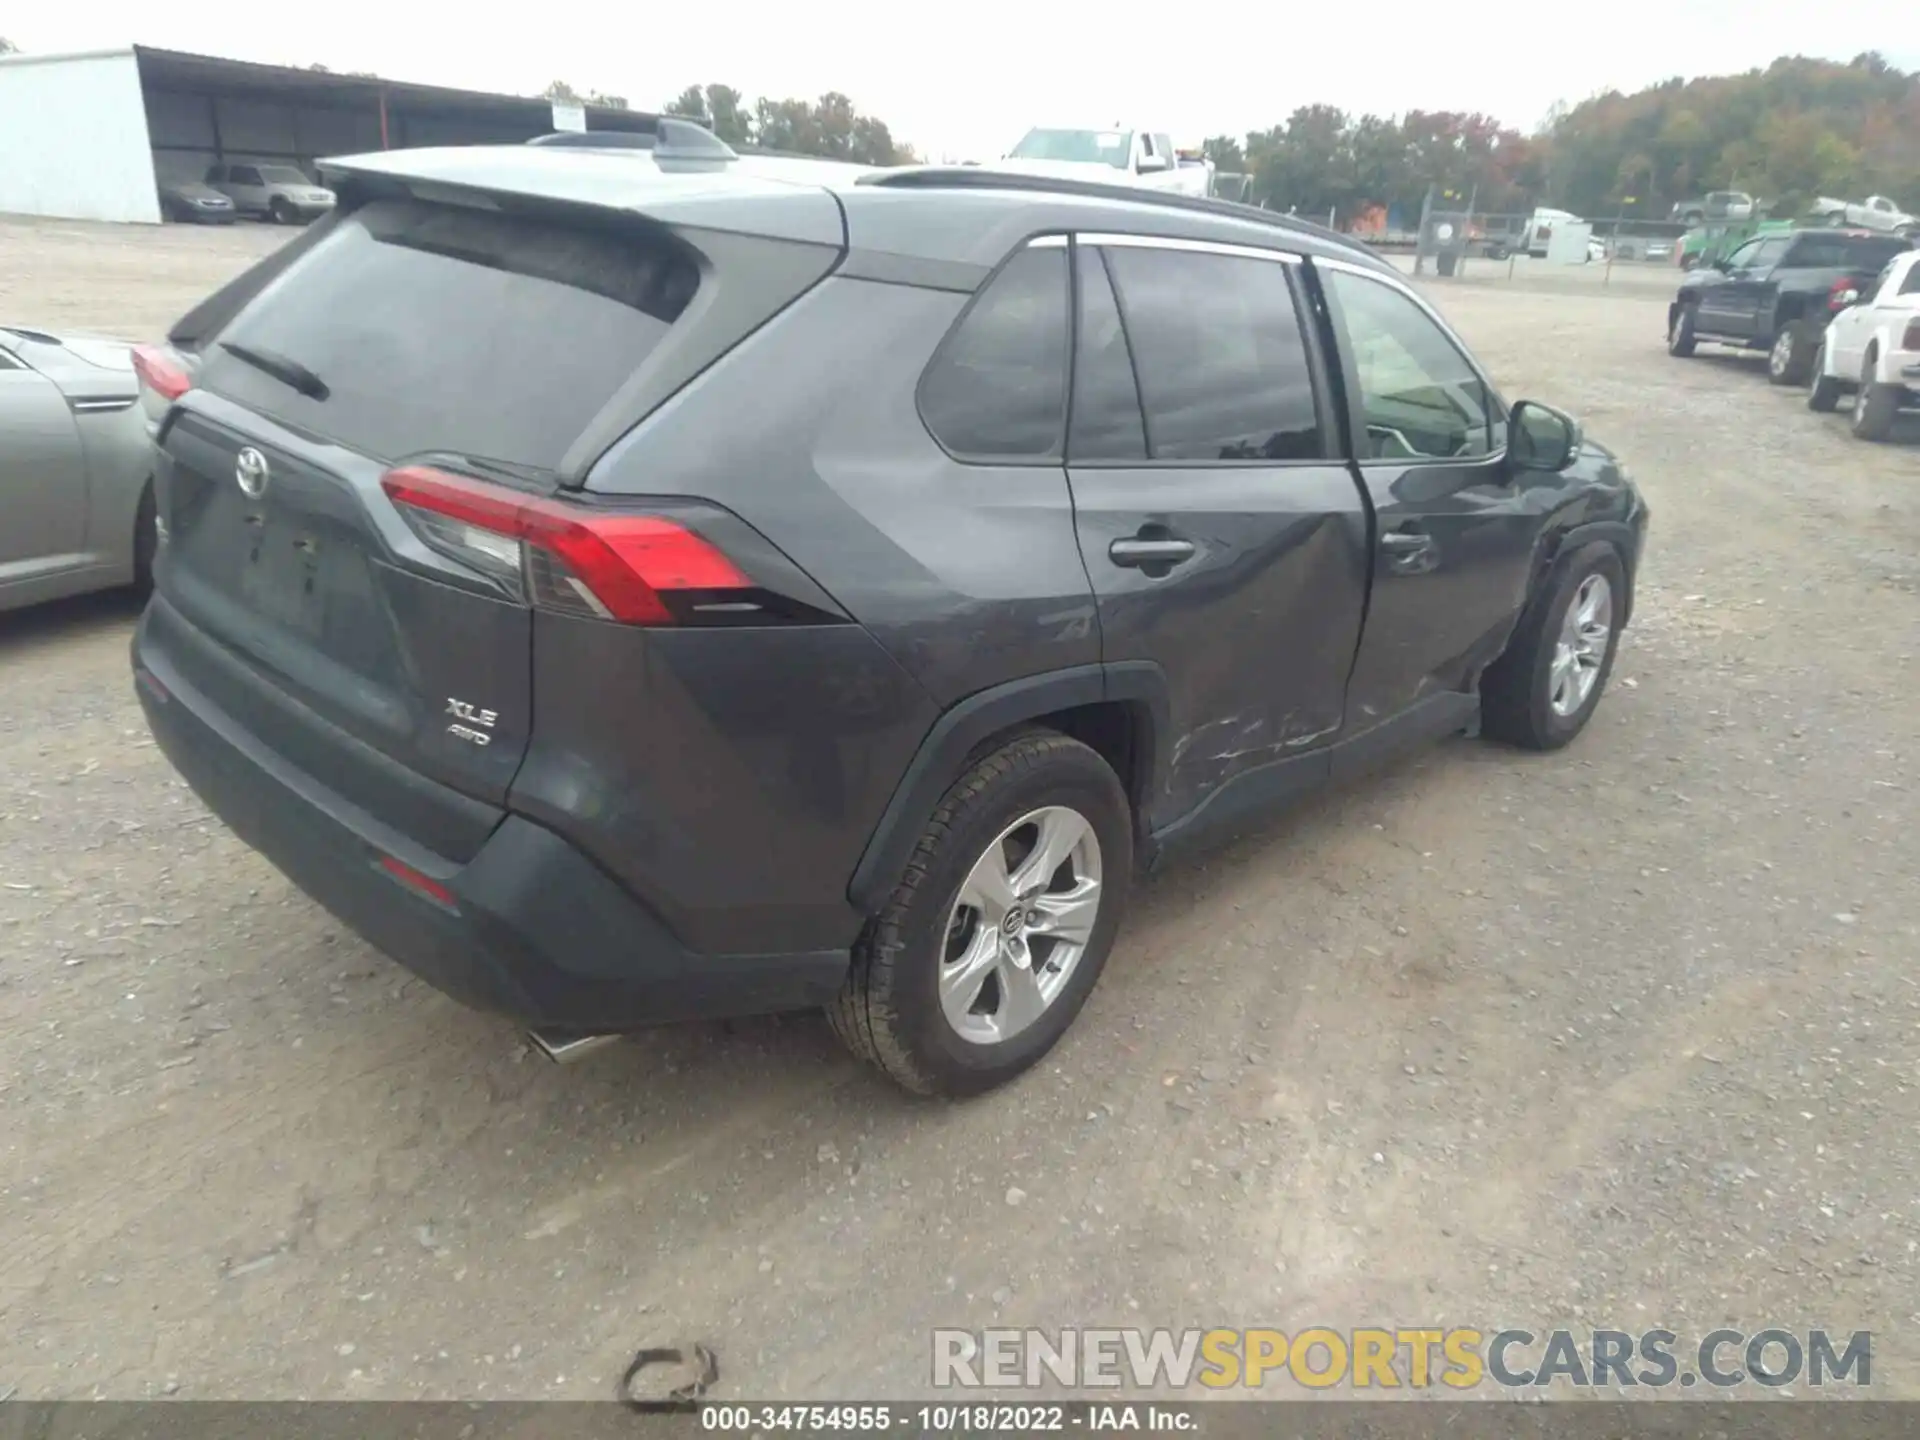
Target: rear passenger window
point(1911, 285)
point(1106, 404)
point(997, 388)
point(1219, 354)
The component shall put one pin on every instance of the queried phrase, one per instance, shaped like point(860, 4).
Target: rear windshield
point(442, 328)
point(1845, 252)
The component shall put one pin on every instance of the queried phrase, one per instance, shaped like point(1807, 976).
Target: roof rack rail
point(668, 137)
point(985, 177)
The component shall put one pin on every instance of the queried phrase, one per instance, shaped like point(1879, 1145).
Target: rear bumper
point(532, 928)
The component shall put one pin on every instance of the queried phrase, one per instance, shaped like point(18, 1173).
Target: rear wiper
point(287, 371)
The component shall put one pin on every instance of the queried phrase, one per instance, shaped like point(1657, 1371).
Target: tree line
point(830, 126)
point(1787, 134)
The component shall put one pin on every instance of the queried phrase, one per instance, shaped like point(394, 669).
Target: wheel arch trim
point(1619, 534)
point(968, 723)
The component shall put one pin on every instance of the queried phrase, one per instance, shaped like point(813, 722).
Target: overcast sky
point(964, 81)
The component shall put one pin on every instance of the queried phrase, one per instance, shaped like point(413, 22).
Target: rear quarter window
point(997, 387)
point(443, 329)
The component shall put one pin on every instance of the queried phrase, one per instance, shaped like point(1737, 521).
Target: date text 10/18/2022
point(972, 1418)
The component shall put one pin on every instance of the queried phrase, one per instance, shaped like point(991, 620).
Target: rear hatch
point(325, 618)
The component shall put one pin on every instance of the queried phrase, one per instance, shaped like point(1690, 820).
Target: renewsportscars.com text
point(1371, 1358)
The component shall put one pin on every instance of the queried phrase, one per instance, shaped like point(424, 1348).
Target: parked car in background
point(1876, 212)
point(76, 501)
point(1716, 205)
point(276, 192)
point(1871, 350)
point(1118, 156)
point(1777, 293)
point(195, 202)
point(777, 639)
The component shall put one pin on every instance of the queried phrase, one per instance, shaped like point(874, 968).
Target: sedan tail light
point(1911, 340)
point(161, 371)
point(611, 565)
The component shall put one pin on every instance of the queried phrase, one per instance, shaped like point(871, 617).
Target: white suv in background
point(1872, 347)
point(278, 192)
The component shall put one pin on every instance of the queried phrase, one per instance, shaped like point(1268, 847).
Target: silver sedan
point(76, 495)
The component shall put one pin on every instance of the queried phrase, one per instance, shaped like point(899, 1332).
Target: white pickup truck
point(1117, 157)
point(1877, 213)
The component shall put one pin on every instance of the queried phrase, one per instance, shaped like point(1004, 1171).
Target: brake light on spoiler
point(570, 558)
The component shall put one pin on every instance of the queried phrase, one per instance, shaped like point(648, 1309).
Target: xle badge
point(466, 718)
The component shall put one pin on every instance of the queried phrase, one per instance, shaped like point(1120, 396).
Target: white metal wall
point(73, 138)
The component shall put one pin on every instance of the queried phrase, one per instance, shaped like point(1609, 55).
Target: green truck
point(1705, 244)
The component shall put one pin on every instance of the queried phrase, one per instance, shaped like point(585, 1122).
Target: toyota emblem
point(250, 470)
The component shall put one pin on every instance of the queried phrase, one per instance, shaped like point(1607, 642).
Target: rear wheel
point(1541, 692)
point(1792, 354)
point(1874, 405)
point(1680, 338)
point(1001, 924)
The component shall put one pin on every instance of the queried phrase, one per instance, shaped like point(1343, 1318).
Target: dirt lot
point(1620, 1037)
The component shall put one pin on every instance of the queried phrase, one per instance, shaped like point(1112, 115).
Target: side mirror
point(1154, 164)
point(1540, 437)
point(1723, 265)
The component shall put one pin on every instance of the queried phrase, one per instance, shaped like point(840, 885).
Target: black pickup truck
point(1776, 293)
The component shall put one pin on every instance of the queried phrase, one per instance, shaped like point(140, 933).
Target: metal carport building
point(88, 136)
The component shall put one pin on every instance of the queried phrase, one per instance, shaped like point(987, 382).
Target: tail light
point(1911, 340)
point(1842, 293)
point(564, 557)
point(161, 371)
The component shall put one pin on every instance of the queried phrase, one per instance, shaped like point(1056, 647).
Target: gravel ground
point(1624, 1036)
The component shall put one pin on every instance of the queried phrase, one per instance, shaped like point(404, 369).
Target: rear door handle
point(1409, 552)
point(1136, 553)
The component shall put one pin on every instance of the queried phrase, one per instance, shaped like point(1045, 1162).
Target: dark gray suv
point(632, 586)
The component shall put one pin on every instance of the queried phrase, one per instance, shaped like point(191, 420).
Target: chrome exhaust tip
point(563, 1047)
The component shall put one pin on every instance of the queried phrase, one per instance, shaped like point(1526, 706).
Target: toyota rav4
point(627, 587)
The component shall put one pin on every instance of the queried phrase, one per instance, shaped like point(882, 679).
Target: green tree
point(1798, 129)
point(1226, 153)
point(690, 104)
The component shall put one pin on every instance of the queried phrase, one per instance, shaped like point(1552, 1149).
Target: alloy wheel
point(1782, 354)
point(1023, 918)
point(1581, 649)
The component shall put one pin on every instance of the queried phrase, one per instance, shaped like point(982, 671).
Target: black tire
point(1516, 692)
point(889, 1011)
point(280, 211)
point(1680, 338)
point(1874, 405)
point(1790, 358)
point(1823, 391)
point(146, 540)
